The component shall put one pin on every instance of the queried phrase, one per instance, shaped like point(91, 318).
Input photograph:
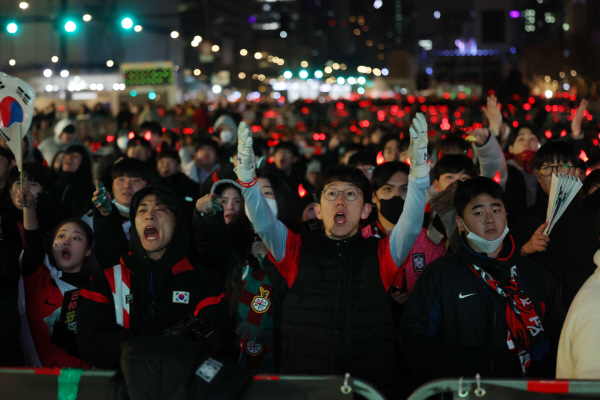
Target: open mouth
point(150, 233)
point(339, 218)
point(66, 254)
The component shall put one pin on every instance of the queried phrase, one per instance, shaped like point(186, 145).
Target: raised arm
point(272, 231)
point(406, 231)
point(490, 155)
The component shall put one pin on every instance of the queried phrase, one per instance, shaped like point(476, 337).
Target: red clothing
point(423, 252)
point(288, 267)
point(42, 298)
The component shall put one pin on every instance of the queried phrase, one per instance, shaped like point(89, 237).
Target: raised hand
point(204, 204)
point(417, 151)
point(25, 198)
point(481, 135)
point(493, 114)
point(100, 202)
point(578, 119)
point(245, 169)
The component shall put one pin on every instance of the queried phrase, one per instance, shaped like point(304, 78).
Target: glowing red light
point(421, 99)
point(497, 177)
point(411, 99)
point(457, 114)
point(588, 171)
point(527, 106)
point(572, 97)
point(583, 156)
point(61, 108)
point(548, 133)
point(531, 100)
point(304, 110)
point(380, 159)
point(516, 96)
point(563, 133)
point(131, 135)
point(147, 135)
point(462, 96)
point(110, 138)
point(515, 124)
point(315, 136)
point(548, 108)
point(322, 136)
point(595, 141)
point(491, 92)
point(339, 105)
point(446, 95)
point(271, 160)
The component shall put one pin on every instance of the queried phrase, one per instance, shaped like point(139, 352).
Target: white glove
point(417, 151)
point(245, 170)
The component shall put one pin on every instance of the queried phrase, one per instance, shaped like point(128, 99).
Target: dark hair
point(163, 195)
point(384, 172)
point(286, 209)
point(591, 180)
point(363, 157)
point(87, 231)
point(207, 142)
point(471, 188)
point(34, 172)
point(241, 217)
point(151, 126)
point(453, 164)
point(133, 168)
point(514, 133)
point(139, 141)
point(173, 154)
point(388, 138)
point(555, 151)
point(345, 173)
point(69, 129)
point(288, 145)
point(454, 142)
point(7, 153)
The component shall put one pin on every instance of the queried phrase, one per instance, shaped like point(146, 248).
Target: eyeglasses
point(547, 170)
point(349, 194)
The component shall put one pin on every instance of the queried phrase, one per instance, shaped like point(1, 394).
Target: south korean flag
point(181, 297)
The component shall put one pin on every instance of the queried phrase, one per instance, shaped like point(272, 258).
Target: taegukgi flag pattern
point(16, 109)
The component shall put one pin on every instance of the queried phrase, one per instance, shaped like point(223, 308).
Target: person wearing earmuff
point(485, 309)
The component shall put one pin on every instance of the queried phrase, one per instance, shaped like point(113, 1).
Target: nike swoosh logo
point(50, 304)
point(460, 296)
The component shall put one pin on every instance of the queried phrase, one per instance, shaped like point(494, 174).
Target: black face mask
point(391, 209)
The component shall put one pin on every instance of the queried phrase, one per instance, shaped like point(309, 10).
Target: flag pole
point(20, 145)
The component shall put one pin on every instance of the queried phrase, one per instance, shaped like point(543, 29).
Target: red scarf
point(524, 159)
point(524, 325)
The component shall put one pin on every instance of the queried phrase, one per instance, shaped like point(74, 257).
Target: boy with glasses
point(336, 314)
point(569, 250)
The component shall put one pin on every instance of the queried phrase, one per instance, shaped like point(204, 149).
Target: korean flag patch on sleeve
point(181, 297)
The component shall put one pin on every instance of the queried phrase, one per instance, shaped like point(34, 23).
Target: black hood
point(179, 245)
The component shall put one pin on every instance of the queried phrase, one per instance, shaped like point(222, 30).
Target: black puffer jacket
point(154, 299)
point(452, 326)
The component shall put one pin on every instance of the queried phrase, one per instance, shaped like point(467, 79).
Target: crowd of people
point(398, 239)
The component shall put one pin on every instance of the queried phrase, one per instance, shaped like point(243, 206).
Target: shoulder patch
point(181, 297)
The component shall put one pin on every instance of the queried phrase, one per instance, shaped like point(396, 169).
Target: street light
point(87, 17)
point(47, 73)
point(54, 59)
point(64, 73)
point(23, 5)
point(174, 34)
point(110, 63)
point(138, 28)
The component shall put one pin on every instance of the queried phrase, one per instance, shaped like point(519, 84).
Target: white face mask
point(487, 246)
point(271, 202)
point(120, 207)
point(226, 136)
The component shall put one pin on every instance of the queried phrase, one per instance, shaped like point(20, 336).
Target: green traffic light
point(318, 74)
point(303, 74)
point(127, 23)
point(12, 28)
point(287, 74)
point(70, 26)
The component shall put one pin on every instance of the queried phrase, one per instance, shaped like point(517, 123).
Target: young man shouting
point(336, 314)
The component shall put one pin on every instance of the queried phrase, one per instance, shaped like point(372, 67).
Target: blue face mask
point(487, 246)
